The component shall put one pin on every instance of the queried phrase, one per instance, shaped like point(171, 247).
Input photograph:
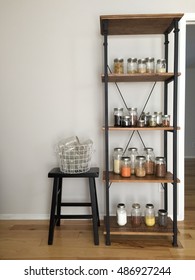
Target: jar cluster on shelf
point(136, 217)
point(130, 118)
point(139, 165)
point(140, 66)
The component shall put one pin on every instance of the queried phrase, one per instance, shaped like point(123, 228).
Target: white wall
point(50, 87)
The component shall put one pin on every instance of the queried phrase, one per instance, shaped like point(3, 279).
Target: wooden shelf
point(128, 229)
point(170, 128)
point(116, 178)
point(147, 77)
point(138, 24)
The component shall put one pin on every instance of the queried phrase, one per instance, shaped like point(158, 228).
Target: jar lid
point(121, 205)
point(161, 159)
point(148, 149)
point(133, 149)
point(157, 113)
point(161, 60)
point(118, 109)
point(136, 205)
point(125, 159)
point(140, 157)
point(118, 149)
point(132, 59)
point(162, 212)
point(132, 109)
point(149, 205)
point(166, 116)
point(141, 60)
point(126, 117)
point(150, 59)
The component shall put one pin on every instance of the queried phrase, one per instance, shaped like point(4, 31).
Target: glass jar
point(136, 215)
point(152, 121)
point(125, 167)
point(150, 67)
point(140, 123)
point(165, 120)
point(146, 118)
point(161, 66)
point(118, 113)
point(133, 116)
point(132, 65)
point(141, 66)
point(140, 166)
point(125, 121)
point(132, 153)
point(118, 66)
point(150, 160)
point(158, 118)
point(121, 214)
point(160, 167)
point(162, 217)
point(117, 155)
point(149, 215)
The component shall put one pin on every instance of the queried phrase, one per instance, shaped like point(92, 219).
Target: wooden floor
point(73, 240)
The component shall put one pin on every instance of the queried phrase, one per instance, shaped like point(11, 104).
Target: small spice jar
point(118, 66)
point(136, 215)
point(117, 155)
point(140, 123)
point(158, 118)
point(149, 215)
point(150, 67)
point(140, 166)
point(125, 167)
point(161, 66)
point(160, 167)
point(165, 120)
point(118, 113)
point(150, 160)
point(146, 118)
point(141, 66)
point(133, 116)
point(125, 121)
point(153, 121)
point(131, 65)
point(121, 214)
point(132, 153)
point(162, 217)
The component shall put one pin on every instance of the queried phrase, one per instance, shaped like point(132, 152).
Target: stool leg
point(52, 213)
point(59, 201)
point(96, 202)
point(94, 211)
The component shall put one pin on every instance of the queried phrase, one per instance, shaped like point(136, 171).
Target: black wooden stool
point(56, 203)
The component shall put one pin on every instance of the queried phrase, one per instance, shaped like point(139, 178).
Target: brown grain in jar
point(160, 167)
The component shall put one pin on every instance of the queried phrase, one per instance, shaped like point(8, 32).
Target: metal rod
point(147, 99)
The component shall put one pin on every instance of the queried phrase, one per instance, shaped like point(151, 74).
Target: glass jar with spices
point(121, 214)
point(131, 65)
point(152, 121)
point(161, 66)
point(125, 167)
point(118, 113)
point(140, 166)
point(149, 215)
point(125, 121)
point(160, 167)
point(165, 120)
point(118, 66)
point(158, 118)
point(162, 217)
point(141, 66)
point(132, 153)
point(133, 116)
point(150, 67)
point(150, 160)
point(117, 155)
point(146, 118)
point(136, 215)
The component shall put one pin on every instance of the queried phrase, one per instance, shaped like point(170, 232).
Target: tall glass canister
point(117, 155)
point(150, 160)
point(132, 153)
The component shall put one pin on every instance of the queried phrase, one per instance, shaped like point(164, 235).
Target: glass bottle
point(153, 121)
point(121, 214)
point(149, 215)
point(158, 118)
point(140, 166)
point(160, 167)
point(136, 214)
point(133, 116)
point(117, 155)
point(131, 65)
point(150, 67)
point(161, 66)
point(150, 160)
point(162, 217)
point(118, 66)
point(118, 113)
point(125, 167)
point(125, 121)
point(132, 153)
point(165, 120)
point(141, 66)
point(146, 118)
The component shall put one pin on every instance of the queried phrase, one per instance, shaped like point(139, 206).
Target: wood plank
point(170, 128)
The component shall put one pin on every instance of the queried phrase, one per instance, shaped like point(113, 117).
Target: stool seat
point(56, 203)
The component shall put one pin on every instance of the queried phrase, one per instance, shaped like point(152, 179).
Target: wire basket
point(75, 157)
